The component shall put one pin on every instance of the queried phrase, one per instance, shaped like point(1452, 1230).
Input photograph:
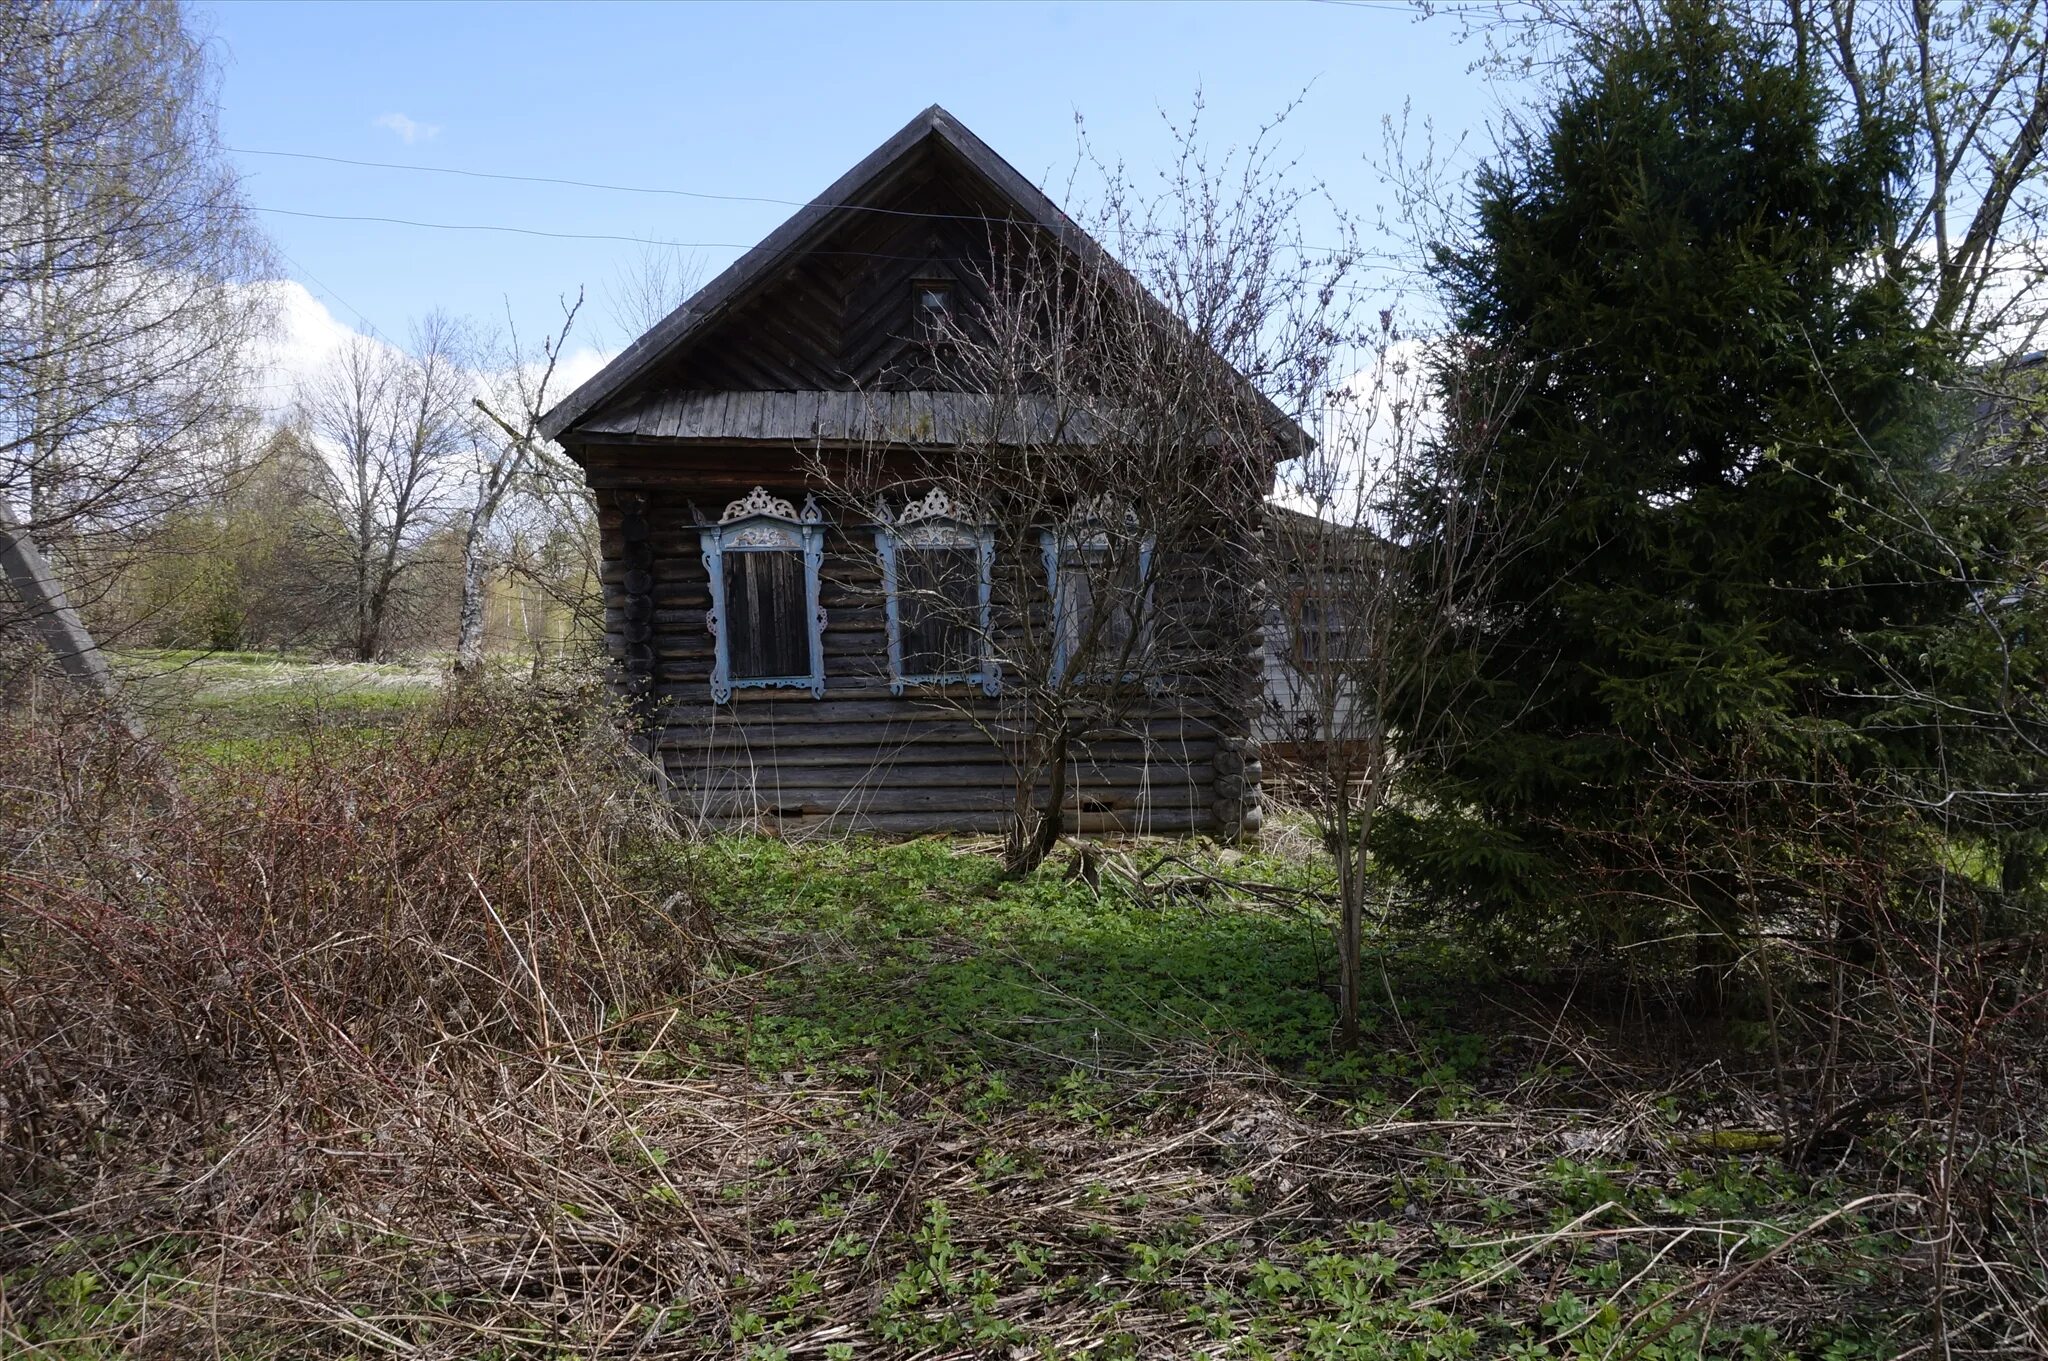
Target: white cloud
point(303, 338)
point(306, 335)
point(578, 366)
point(408, 130)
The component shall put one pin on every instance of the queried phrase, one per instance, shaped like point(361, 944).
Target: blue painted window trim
point(1057, 543)
point(759, 523)
point(951, 533)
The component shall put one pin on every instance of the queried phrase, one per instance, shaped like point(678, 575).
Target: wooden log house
point(756, 623)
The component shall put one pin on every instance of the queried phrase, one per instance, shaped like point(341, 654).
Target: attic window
point(931, 303)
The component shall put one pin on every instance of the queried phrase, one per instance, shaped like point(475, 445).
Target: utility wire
point(593, 184)
point(609, 188)
point(518, 231)
point(630, 240)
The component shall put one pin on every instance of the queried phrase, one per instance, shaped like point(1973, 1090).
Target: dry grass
point(446, 1048)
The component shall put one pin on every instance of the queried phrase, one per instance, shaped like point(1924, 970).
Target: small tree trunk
point(1350, 958)
point(1029, 846)
point(469, 636)
point(370, 625)
point(1351, 882)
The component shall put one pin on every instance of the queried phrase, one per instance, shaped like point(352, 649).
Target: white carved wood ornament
point(761, 502)
point(935, 504)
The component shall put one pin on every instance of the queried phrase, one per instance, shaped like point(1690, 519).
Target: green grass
point(1047, 1013)
point(261, 708)
point(927, 961)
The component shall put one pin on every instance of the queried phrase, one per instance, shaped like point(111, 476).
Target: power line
point(517, 231)
point(611, 188)
point(593, 184)
point(630, 240)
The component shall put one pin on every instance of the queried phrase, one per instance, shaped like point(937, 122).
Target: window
point(1101, 598)
point(1317, 627)
point(767, 628)
point(936, 566)
point(931, 303)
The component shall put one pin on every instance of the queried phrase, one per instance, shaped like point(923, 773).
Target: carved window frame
point(1085, 534)
point(937, 521)
point(760, 522)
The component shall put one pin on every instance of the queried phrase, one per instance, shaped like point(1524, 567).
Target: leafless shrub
point(1123, 406)
point(312, 935)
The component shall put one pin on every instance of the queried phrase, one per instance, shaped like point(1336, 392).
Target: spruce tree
point(1721, 390)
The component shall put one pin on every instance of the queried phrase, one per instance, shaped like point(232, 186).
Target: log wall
point(860, 758)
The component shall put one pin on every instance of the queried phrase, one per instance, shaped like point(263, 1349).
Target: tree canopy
point(1727, 409)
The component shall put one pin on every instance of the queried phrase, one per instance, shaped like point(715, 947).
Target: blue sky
point(767, 100)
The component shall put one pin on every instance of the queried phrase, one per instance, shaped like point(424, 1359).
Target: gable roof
point(806, 229)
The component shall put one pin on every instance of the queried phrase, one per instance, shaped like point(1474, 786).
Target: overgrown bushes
point(310, 932)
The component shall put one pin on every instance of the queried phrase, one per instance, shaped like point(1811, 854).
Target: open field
point(255, 705)
point(448, 1048)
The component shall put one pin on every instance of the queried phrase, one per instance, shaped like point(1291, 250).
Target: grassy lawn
point(261, 706)
point(1040, 1119)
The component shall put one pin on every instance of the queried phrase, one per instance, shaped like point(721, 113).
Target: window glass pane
point(1100, 598)
point(766, 631)
point(938, 609)
point(1319, 629)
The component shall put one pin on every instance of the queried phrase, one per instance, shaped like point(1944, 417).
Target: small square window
point(931, 304)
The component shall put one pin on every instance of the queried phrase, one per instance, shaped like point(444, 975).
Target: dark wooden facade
point(808, 346)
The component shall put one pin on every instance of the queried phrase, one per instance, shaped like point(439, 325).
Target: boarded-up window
point(767, 633)
point(938, 609)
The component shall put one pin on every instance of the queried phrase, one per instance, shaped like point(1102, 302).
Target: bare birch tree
point(506, 447)
point(127, 259)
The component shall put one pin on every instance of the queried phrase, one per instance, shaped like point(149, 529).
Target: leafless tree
point(1969, 80)
point(657, 281)
point(394, 426)
point(127, 259)
point(1365, 607)
point(505, 448)
point(1121, 413)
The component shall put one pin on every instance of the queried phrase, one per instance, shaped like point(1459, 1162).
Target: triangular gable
point(808, 231)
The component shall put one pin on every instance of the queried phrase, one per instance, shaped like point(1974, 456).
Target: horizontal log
point(1165, 822)
point(780, 775)
point(788, 802)
point(737, 753)
point(884, 720)
point(1162, 736)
